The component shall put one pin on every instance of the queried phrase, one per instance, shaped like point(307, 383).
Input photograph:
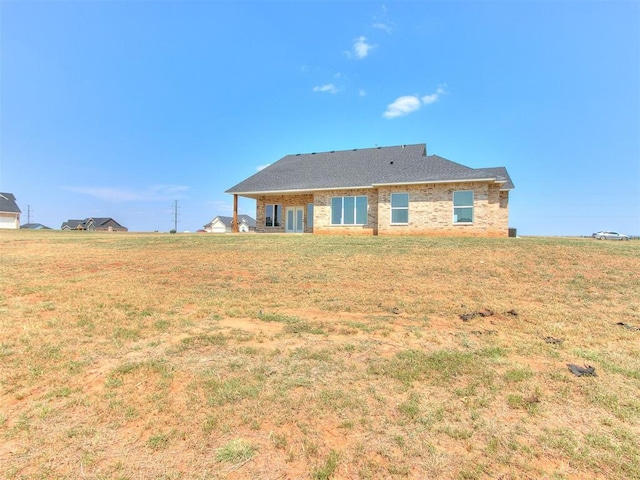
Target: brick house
point(378, 191)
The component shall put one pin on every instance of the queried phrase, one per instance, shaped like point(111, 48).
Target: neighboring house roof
point(72, 224)
point(34, 226)
point(363, 168)
point(228, 221)
point(97, 222)
point(8, 203)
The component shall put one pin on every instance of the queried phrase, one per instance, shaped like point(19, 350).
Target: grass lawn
point(139, 356)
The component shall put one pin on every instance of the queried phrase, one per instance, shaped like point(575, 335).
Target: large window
point(272, 214)
point(463, 206)
point(349, 210)
point(399, 208)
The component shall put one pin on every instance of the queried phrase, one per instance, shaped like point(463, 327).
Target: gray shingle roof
point(34, 226)
point(362, 168)
point(98, 222)
point(501, 174)
point(8, 203)
point(72, 224)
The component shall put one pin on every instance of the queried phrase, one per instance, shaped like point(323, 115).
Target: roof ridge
point(405, 145)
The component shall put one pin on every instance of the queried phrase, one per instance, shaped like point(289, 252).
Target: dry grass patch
point(253, 356)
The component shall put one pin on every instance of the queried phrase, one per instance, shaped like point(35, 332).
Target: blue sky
point(119, 108)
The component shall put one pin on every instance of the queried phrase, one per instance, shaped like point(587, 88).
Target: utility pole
point(175, 216)
point(28, 213)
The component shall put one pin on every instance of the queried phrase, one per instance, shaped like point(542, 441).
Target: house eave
point(428, 182)
point(295, 191)
point(256, 194)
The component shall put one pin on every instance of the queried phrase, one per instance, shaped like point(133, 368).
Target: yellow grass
point(135, 356)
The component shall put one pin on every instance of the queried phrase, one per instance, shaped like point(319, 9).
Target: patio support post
point(235, 214)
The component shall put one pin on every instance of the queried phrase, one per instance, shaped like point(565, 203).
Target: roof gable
point(72, 224)
point(8, 203)
point(228, 221)
point(359, 168)
point(501, 174)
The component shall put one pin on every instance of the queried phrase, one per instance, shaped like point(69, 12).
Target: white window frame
point(277, 212)
point(392, 208)
point(471, 206)
point(355, 210)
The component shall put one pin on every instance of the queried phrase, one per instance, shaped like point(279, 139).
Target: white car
point(610, 236)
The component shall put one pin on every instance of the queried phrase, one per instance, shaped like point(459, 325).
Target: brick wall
point(285, 201)
point(322, 213)
point(430, 211)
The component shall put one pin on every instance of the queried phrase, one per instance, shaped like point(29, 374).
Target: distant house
point(34, 226)
point(94, 225)
point(9, 211)
point(222, 224)
point(396, 190)
point(73, 225)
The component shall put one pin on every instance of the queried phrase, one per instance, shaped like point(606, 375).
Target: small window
point(349, 210)
point(463, 206)
point(272, 215)
point(399, 208)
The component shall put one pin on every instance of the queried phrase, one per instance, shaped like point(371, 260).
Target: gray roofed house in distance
point(94, 224)
point(9, 211)
point(34, 226)
point(378, 191)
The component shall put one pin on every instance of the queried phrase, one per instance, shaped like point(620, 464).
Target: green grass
point(235, 451)
point(326, 471)
point(412, 365)
point(231, 391)
point(272, 356)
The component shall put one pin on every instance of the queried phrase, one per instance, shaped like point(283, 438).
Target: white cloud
point(381, 21)
point(151, 194)
point(361, 47)
point(427, 99)
point(407, 104)
point(328, 88)
point(402, 106)
point(262, 167)
point(382, 26)
point(166, 190)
